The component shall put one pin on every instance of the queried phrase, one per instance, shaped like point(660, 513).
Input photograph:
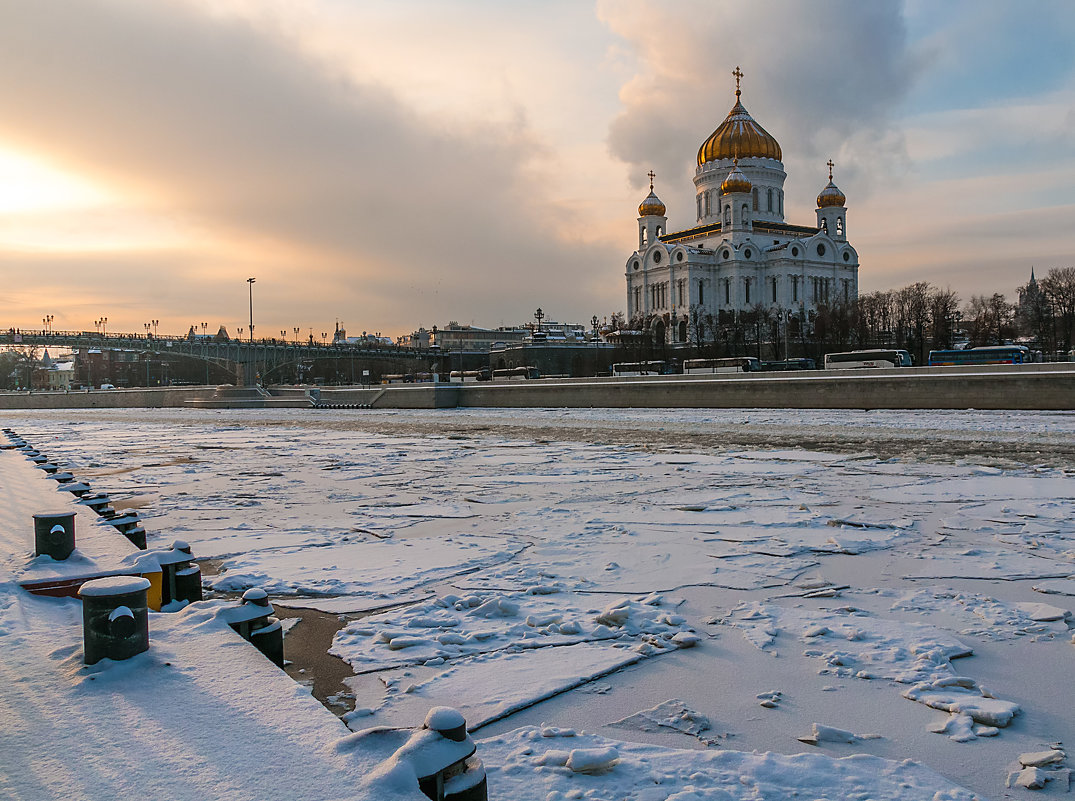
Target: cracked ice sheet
point(648, 559)
point(853, 643)
point(985, 563)
point(384, 568)
point(490, 686)
point(976, 615)
point(536, 762)
point(455, 626)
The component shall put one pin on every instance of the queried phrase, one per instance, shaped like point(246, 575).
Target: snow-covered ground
point(891, 584)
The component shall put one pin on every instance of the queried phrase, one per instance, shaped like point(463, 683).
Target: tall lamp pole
point(250, 282)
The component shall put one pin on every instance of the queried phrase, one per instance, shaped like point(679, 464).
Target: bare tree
point(1059, 287)
point(943, 313)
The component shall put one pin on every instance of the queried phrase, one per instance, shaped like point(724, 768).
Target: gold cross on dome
point(651, 175)
point(738, 73)
point(831, 165)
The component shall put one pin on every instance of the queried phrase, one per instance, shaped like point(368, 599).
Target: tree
point(1059, 287)
point(943, 314)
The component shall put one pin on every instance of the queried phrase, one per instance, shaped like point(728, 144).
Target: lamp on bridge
point(250, 283)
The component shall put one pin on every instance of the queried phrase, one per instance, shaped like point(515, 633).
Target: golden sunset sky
point(397, 164)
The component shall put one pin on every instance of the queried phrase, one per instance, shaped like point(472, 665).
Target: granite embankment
point(1047, 387)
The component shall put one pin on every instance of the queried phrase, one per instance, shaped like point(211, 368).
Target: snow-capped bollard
point(63, 476)
point(443, 757)
point(254, 621)
point(54, 534)
point(39, 459)
point(182, 581)
point(127, 524)
point(76, 488)
point(98, 502)
point(115, 618)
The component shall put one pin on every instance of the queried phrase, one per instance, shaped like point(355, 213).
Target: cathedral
point(741, 254)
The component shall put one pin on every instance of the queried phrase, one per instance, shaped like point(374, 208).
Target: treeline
point(917, 318)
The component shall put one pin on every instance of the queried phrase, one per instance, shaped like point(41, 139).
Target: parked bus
point(867, 358)
point(738, 364)
point(994, 354)
point(790, 364)
point(627, 369)
point(516, 372)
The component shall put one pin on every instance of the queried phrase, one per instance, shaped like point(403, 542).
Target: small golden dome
point(736, 181)
point(738, 136)
point(831, 195)
point(652, 205)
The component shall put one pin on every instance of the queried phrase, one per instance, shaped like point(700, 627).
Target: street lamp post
point(296, 329)
point(250, 283)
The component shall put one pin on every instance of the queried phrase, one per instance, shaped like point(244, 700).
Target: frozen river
point(895, 584)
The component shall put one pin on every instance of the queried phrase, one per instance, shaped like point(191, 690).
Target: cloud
point(224, 124)
point(824, 78)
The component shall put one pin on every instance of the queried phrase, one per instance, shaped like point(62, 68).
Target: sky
point(390, 164)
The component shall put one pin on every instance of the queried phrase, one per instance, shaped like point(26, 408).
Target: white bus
point(738, 364)
point(628, 369)
point(867, 358)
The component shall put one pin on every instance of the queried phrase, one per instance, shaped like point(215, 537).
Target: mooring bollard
point(115, 618)
point(255, 624)
point(54, 534)
point(63, 477)
point(443, 755)
point(181, 581)
point(76, 488)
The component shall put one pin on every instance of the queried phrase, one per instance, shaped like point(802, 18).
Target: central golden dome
point(739, 136)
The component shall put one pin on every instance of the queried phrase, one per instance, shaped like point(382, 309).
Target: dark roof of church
point(758, 227)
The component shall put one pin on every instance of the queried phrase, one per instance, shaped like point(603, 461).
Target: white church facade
point(741, 254)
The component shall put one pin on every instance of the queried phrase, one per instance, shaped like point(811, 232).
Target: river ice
point(774, 574)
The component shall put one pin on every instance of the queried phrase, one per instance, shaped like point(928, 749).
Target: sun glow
point(28, 184)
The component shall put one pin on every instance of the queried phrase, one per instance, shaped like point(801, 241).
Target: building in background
point(741, 255)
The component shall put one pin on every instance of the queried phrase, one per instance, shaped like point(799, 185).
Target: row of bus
point(851, 360)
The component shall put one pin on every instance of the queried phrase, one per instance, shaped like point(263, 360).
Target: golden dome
point(652, 205)
point(736, 181)
point(831, 195)
point(739, 136)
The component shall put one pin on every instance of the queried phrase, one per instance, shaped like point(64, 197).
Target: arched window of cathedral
point(660, 230)
point(774, 290)
point(699, 207)
point(682, 330)
point(755, 193)
point(820, 250)
point(642, 237)
point(824, 225)
point(770, 193)
point(839, 226)
point(706, 194)
point(657, 257)
point(746, 211)
point(634, 264)
point(794, 251)
point(725, 254)
point(727, 215)
point(847, 255)
point(746, 253)
point(780, 201)
point(746, 283)
point(701, 293)
point(679, 256)
point(727, 291)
